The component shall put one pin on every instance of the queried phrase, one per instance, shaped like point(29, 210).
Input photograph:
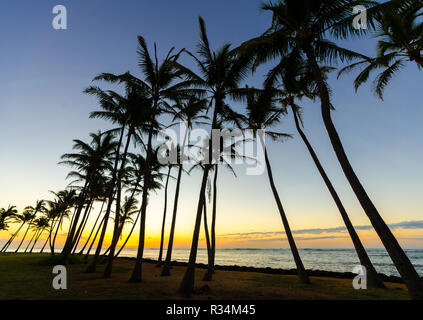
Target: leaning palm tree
point(39, 207)
point(401, 31)
point(261, 115)
point(91, 160)
point(304, 27)
point(7, 215)
point(221, 73)
point(40, 225)
point(294, 81)
point(137, 168)
point(160, 83)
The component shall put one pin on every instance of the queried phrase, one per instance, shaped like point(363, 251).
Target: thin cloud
point(418, 224)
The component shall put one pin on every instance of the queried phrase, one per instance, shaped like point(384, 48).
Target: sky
point(42, 108)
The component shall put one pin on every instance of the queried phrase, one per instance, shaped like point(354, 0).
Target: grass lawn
point(23, 277)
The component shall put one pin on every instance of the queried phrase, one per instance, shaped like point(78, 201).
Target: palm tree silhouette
point(91, 159)
point(402, 41)
point(31, 213)
point(12, 214)
point(304, 27)
point(261, 115)
point(40, 225)
point(221, 72)
point(189, 112)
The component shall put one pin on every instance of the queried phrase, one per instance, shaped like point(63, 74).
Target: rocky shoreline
point(268, 270)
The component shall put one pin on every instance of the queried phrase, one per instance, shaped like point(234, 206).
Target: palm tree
point(221, 72)
point(60, 207)
point(130, 112)
point(91, 160)
point(294, 81)
point(11, 213)
point(189, 112)
point(136, 169)
point(261, 115)
point(40, 225)
point(159, 259)
point(304, 27)
point(402, 41)
point(30, 214)
point(159, 84)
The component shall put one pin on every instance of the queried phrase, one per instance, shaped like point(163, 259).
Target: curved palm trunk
point(210, 270)
point(405, 268)
point(53, 223)
point(129, 235)
point(115, 239)
point(95, 237)
point(9, 242)
point(55, 235)
point(29, 243)
point(373, 278)
point(81, 227)
point(206, 231)
point(166, 265)
point(36, 239)
point(92, 266)
point(159, 260)
point(136, 275)
point(187, 284)
point(93, 228)
point(302, 274)
point(70, 238)
point(27, 229)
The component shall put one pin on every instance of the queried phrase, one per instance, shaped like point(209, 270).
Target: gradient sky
point(42, 108)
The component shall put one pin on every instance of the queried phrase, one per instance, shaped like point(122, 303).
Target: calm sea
point(342, 260)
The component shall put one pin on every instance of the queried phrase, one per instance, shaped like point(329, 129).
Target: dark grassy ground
point(22, 276)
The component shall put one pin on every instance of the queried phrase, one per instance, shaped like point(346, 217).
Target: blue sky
point(42, 108)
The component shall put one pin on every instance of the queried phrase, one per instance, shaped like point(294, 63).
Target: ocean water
point(342, 260)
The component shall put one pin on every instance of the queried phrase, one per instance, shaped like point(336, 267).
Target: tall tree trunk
point(32, 238)
point(69, 241)
point(29, 225)
point(93, 228)
point(411, 278)
point(210, 270)
point(115, 239)
point(186, 287)
point(53, 223)
point(36, 239)
point(159, 260)
point(92, 266)
point(207, 235)
point(82, 225)
point(136, 275)
point(129, 235)
point(8, 243)
point(373, 278)
point(302, 274)
point(55, 235)
point(166, 266)
point(95, 237)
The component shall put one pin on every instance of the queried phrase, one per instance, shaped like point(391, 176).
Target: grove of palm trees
point(108, 196)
